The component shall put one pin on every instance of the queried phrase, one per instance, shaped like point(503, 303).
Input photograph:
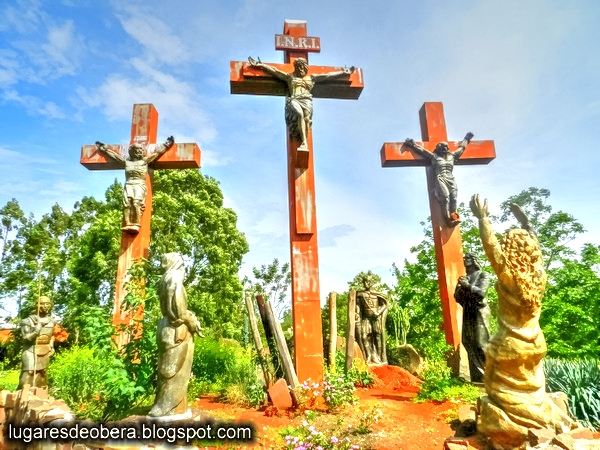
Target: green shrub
point(9, 379)
point(580, 380)
point(226, 368)
point(440, 385)
point(358, 374)
point(338, 390)
point(93, 383)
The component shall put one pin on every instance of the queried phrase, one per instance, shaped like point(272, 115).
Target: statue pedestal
point(172, 418)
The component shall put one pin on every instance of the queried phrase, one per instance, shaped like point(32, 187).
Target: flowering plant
point(308, 437)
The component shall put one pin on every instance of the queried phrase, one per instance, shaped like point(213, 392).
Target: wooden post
point(284, 353)
point(332, 330)
point(260, 350)
point(264, 317)
point(350, 330)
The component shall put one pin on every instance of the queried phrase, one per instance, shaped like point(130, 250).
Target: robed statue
point(175, 335)
point(514, 380)
point(470, 294)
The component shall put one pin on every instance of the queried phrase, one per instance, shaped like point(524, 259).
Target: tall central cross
point(248, 79)
point(446, 238)
point(135, 246)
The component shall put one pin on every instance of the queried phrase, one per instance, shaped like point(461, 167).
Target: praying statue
point(372, 309)
point(514, 378)
point(37, 333)
point(175, 338)
point(136, 169)
point(299, 99)
point(470, 294)
point(442, 162)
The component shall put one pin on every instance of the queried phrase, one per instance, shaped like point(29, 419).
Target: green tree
point(416, 292)
point(555, 230)
point(571, 310)
point(273, 281)
point(189, 217)
point(73, 257)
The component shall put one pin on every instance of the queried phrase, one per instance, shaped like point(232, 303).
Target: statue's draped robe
point(175, 342)
point(474, 330)
point(514, 375)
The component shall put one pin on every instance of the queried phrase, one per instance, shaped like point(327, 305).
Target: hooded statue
point(175, 340)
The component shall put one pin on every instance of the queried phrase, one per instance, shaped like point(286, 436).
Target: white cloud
point(34, 105)
point(177, 102)
point(159, 40)
point(61, 48)
point(22, 17)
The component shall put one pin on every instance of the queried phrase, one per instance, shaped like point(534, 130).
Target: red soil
point(405, 424)
point(395, 378)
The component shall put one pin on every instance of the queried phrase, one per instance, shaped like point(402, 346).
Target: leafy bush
point(338, 390)
point(224, 367)
point(580, 380)
point(93, 383)
point(9, 379)
point(440, 385)
point(358, 374)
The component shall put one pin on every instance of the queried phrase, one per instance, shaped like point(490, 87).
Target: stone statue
point(298, 104)
point(175, 341)
point(470, 294)
point(514, 379)
point(372, 307)
point(442, 163)
point(136, 168)
point(37, 333)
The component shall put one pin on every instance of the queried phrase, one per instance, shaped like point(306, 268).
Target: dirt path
point(405, 424)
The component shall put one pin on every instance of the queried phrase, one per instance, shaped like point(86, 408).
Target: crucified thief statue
point(298, 104)
point(442, 162)
point(136, 168)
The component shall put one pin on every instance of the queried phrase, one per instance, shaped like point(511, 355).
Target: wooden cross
point(306, 302)
point(134, 246)
point(447, 239)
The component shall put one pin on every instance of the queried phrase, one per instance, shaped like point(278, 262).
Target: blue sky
point(524, 74)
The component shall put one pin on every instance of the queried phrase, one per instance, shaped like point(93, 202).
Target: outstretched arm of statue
point(269, 69)
point(410, 143)
point(463, 144)
point(109, 152)
point(160, 150)
point(336, 74)
point(488, 238)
